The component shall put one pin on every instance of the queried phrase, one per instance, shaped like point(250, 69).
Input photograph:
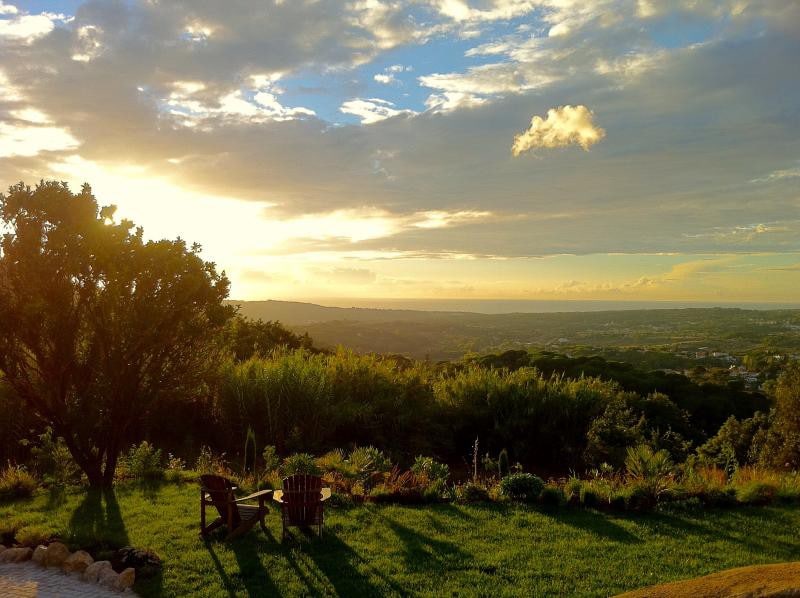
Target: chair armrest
point(326, 493)
point(277, 496)
point(255, 495)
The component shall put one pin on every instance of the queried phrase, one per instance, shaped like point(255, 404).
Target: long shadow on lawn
point(252, 574)
point(594, 522)
point(98, 526)
point(701, 525)
point(337, 561)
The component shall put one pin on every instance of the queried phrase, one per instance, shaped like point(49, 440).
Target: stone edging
point(79, 564)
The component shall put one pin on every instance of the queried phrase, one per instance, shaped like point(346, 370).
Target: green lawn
point(431, 550)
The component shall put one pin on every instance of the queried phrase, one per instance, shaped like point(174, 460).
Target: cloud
point(7, 9)
point(25, 140)
point(26, 28)
point(564, 126)
point(389, 74)
point(372, 110)
point(778, 175)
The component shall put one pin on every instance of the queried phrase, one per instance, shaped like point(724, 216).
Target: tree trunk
point(112, 457)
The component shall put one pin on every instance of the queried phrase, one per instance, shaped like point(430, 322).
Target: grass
point(471, 550)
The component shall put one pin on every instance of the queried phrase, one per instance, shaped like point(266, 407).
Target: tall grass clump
point(16, 482)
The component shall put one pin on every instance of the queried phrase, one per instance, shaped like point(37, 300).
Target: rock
point(16, 555)
point(93, 571)
point(108, 578)
point(77, 562)
point(55, 554)
point(2, 547)
point(146, 562)
point(125, 579)
point(38, 554)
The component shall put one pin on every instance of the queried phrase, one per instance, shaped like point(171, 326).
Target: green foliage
point(781, 447)
point(34, 535)
point(472, 492)
point(756, 493)
point(524, 487)
point(100, 326)
point(209, 462)
point(431, 469)
point(643, 463)
point(552, 495)
point(271, 459)
point(247, 338)
point(737, 443)
point(52, 460)
point(16, 482)
point(299, 463)
point(143, 462)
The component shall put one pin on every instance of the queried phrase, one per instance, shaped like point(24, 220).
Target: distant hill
point(449, 335)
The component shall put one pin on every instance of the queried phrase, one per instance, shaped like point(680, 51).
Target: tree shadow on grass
point(421, 551)
point(251, 574)
point(594, 522)
point(343, 567)
point(704, 524)
point(97, 522)
point(97, 526)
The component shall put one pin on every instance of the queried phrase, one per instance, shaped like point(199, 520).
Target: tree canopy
point(99, 323)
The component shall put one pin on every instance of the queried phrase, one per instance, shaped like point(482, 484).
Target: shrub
point(521, 486)
point(271, 459)
point(552, 496)
point(472, 492)
point(208, 462)
point(299, 463)
point(143, 461)
point(756, 493)
point(430, 469)
point(588, 497)
point(367, 460)
point(618, 500)
point(16, 482)
point(572, 489)
point(639, 497)
point(643, 463)
point(52, 460)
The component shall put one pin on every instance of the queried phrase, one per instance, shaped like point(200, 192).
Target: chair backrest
point(302, 496)
point(220, 491)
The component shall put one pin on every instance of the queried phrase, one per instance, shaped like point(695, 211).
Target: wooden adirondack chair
point(302, 502)
point(238, 517)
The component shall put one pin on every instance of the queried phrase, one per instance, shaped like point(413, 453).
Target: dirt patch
point(760, 581)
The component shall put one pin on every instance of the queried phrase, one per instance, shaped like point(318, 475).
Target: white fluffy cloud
point(565, 125)
point(372, 110)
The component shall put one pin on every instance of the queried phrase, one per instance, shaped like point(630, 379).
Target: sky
point(623, 150)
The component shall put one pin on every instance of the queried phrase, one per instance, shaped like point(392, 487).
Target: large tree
point(96, 323)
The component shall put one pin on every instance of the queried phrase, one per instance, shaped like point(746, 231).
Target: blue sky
point(510, 149)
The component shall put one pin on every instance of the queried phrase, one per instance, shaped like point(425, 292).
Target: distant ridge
point(451, 334)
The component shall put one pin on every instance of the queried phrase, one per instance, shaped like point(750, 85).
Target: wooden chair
point(238, 517)
point(301, 502)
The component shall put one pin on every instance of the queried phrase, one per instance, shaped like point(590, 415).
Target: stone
point(108, 578)
point(16, 555)
point(77, 562)
point(2, 547)
point(93, 571)
point(125, 579)
point(146, 562)
point(38, 554)
point(55, 555)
